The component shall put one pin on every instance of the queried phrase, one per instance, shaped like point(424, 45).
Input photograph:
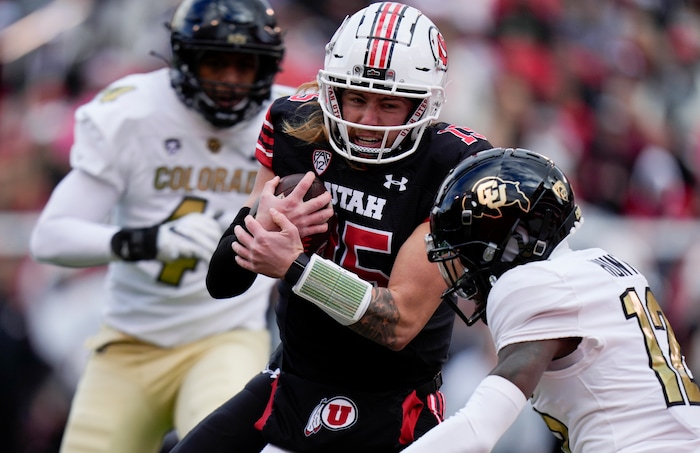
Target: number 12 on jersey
point(669, 366)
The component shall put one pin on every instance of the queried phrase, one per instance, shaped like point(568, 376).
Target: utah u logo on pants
point(334, 414)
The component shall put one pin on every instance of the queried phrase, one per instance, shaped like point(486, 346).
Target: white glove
point(194, 235)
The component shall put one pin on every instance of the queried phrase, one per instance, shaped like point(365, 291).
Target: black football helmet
point(241, 26)
point(497, 209)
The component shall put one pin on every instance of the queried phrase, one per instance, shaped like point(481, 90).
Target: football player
point(364, 333)
point(578, 332)
point(161, 163)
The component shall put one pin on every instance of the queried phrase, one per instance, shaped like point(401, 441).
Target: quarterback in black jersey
point(363, 331)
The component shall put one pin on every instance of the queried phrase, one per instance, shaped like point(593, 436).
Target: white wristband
point(492, 408)
point(335, 290)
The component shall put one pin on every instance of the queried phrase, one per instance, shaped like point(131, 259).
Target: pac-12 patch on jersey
point(322, 158)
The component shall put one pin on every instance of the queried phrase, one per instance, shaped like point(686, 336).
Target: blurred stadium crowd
point(610, 89)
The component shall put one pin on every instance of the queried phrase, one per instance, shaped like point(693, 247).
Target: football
point(317, 242)
point(289, 182)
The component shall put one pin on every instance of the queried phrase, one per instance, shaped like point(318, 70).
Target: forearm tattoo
point(379, 322)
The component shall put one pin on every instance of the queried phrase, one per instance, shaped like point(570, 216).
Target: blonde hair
point(312, 128)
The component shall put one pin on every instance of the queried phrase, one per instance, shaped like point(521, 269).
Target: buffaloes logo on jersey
point(214, 145)
point(494, 193)
point(335, 414)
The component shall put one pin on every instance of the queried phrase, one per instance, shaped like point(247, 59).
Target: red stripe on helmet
point(382, 36)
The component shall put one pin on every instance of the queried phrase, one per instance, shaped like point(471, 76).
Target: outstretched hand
point(267, 252)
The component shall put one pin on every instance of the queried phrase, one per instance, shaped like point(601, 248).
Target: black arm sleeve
point(225, 278)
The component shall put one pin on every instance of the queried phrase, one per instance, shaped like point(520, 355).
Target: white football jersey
point(166, 161)
point(627, 381)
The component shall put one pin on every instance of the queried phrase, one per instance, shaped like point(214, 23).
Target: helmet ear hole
point(511, 251)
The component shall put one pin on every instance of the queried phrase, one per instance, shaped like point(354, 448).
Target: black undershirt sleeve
point(225, 278)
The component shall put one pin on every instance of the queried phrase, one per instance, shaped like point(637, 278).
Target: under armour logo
point(390, 181)
point(274, 374)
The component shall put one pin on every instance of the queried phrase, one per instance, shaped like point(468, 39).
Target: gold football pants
point(132, 393)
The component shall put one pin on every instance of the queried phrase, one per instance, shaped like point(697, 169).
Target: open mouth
point(374, 143)
point(367, 141)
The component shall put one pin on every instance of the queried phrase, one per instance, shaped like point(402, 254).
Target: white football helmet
point(385, 48)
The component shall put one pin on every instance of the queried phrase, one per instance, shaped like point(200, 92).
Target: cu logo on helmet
point(494, 193)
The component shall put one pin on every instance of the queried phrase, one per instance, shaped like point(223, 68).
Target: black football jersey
point(377, 209)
